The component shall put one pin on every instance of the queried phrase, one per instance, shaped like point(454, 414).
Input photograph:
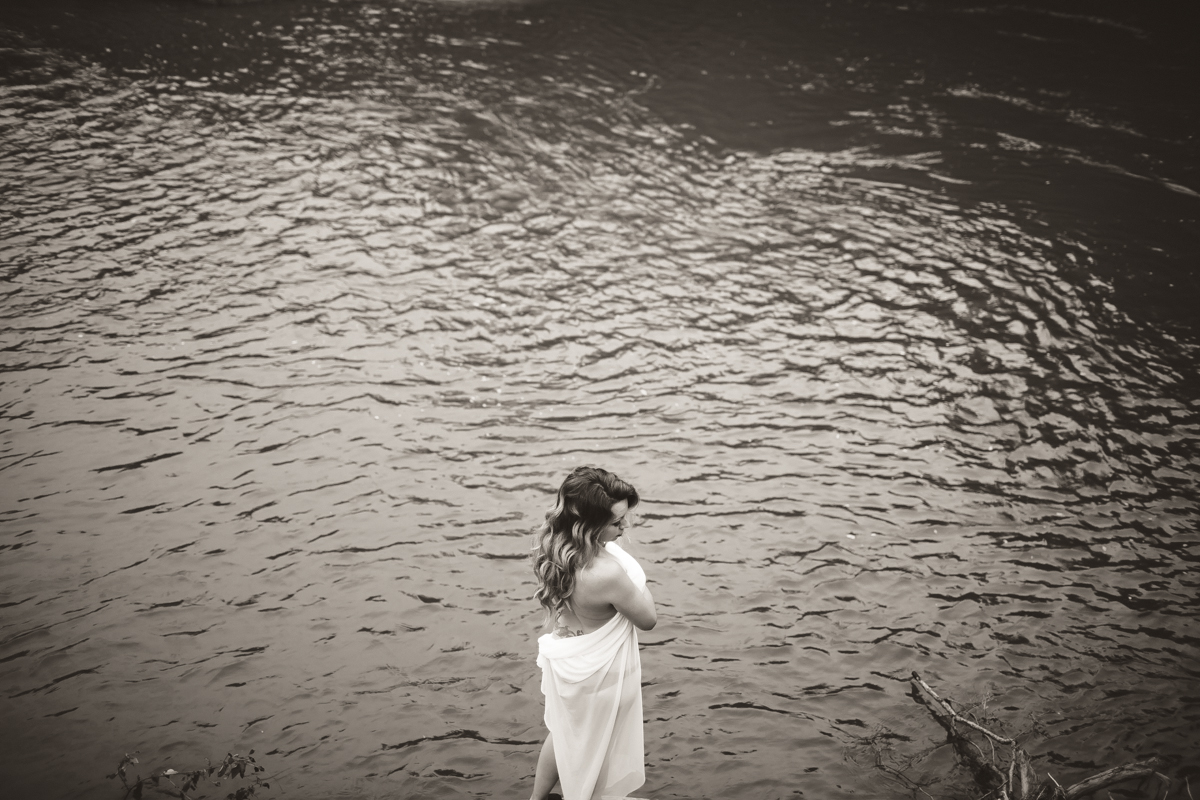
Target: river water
point(307, 308)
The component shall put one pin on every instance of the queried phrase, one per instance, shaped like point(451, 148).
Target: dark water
point(887, 309)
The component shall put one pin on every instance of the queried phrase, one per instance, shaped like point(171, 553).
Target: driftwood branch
point(987, 776)
point(950, 712)
point(1018, 781)
point(1125, 772)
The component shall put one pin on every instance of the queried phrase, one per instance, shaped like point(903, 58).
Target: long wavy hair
point(570, 537)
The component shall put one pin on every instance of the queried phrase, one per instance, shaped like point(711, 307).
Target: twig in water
point(1166, 782)
point(1017, 781)
point(956, 717)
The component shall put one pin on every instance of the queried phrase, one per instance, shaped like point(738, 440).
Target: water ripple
point(293, 356)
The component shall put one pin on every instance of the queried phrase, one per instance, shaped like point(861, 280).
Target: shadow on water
point(306, 311)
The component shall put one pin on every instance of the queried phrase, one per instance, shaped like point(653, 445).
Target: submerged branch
point(1126, 772)
point(1018, 781)
point(958, 718)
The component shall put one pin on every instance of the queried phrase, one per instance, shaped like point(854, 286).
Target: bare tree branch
point(957, 717)
point(1017, 781)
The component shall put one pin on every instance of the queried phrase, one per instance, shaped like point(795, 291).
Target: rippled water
point(308, 307)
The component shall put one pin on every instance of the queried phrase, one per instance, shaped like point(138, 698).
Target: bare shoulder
point(603, 571)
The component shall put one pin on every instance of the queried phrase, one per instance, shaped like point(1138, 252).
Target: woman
point(594, 594)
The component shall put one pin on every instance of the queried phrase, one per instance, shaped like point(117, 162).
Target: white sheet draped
point(593, 688)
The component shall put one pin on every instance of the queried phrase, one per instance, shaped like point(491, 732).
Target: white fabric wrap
point(593, 688)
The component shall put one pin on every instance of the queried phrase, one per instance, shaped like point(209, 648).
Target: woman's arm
point(614, 586)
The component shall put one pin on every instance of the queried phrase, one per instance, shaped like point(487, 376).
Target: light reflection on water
point(291, 366)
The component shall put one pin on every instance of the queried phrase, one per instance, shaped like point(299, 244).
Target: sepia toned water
point(307, 308)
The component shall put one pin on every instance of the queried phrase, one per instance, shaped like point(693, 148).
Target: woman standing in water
point(595, 596)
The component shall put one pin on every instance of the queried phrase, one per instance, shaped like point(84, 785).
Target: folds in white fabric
point(593, 688)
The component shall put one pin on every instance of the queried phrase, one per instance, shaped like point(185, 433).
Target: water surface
point(308, 307)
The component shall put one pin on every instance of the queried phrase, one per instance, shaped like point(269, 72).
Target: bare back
point(587, 610)
point(602, 590)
